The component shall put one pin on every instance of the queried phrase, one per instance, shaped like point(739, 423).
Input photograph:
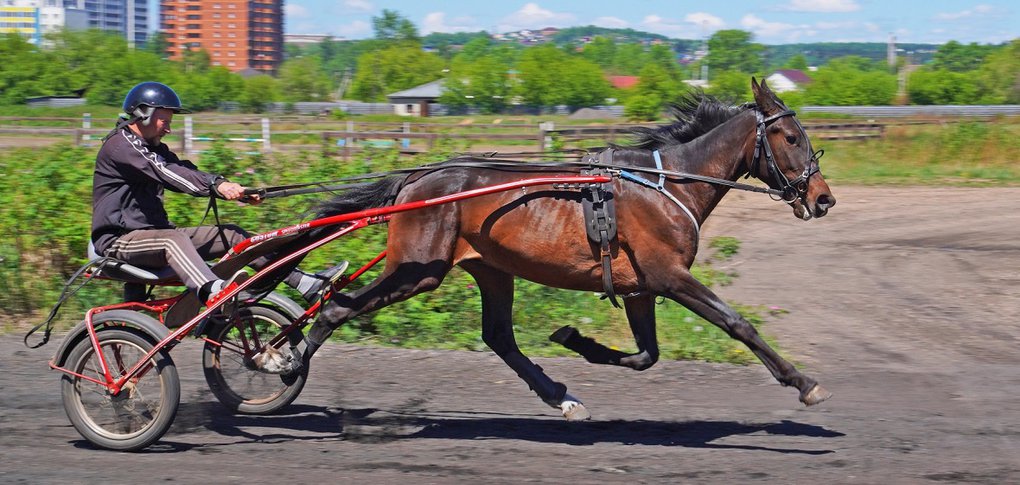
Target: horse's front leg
point(701, 300)
point(497, 291)
point(641, 316)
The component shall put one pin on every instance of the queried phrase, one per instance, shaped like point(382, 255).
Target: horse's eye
point(791, 139)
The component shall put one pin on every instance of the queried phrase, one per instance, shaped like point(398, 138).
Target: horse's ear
point(763, 96)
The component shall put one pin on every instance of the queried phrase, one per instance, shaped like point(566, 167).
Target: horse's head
point(784, 159)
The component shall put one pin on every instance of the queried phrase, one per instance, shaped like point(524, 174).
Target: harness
point(790, 190)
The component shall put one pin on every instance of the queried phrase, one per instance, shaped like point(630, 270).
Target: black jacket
point(128, 183)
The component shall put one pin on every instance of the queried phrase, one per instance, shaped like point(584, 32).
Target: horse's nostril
point(825, 201)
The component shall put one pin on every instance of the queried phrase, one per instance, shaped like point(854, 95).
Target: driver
point(129, 222)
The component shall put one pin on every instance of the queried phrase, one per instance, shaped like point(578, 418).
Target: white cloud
point(823, 6)
point(532, 16)
point(293, 10)
point(358, 6)
point(770, 31)
point(704, 19)
point(978, 10)
point(668, 27)
point(611, 22)
point(436, 22)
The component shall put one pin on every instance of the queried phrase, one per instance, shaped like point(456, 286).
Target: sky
point(770, 21)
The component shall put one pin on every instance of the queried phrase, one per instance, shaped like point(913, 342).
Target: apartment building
point(129, 17)
point(239, 35)
point(33, 19)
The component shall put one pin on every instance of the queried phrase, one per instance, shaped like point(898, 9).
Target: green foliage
point(999, 75)
point(956, 57)
point(400, 66)
point(850, 81)
point(732, 50)
point(258, 92)
point(941, 87)
point(656, 89)
point(550, 76)
point(479, 77)
point(733, 86)
point(392, 26)
point(301, 79)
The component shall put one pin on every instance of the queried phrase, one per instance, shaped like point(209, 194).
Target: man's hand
point(234, 191)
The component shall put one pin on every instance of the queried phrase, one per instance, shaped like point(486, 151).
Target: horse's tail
point(376, 194)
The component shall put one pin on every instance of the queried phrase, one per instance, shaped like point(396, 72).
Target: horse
point(540, 236)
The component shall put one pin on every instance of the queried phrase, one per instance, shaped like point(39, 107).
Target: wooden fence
point(346, 138)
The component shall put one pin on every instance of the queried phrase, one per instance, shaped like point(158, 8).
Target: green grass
point(954, 154)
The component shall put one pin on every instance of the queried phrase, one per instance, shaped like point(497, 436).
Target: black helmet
point(142, 100)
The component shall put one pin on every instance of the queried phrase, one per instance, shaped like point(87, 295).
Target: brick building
point(239, 35)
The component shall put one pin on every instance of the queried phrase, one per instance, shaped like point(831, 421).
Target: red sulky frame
point(351, 222)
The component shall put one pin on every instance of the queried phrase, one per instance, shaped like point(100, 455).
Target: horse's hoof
point(815, 395)
point(272, 361)
point(573, 409)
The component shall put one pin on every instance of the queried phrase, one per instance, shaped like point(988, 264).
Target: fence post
point(544, 139)
point(186, 139)
point(406, 142)
point(267, 147)
point(349, 141)
point(86, 124)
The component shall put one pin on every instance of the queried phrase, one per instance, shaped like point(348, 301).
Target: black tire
point(142, 412)
point(232, 376)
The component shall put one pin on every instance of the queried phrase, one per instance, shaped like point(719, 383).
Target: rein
point(499, 164)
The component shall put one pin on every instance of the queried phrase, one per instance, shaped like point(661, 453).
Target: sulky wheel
point(233, 376)
point(145, 407)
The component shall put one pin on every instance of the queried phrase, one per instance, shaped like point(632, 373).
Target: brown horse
point(539, 235)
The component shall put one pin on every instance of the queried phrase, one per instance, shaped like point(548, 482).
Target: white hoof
point(573, 409)
point(272, 361)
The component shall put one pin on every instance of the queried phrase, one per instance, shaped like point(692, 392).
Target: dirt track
point(903, 302)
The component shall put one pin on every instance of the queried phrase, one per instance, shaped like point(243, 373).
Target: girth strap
point(600, 224)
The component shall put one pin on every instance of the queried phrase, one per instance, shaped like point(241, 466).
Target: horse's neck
point(720, 153)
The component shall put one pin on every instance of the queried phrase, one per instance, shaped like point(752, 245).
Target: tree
point(258, 92)
point(999, 75)
point(956, 57)
point(393, 26)
point(731, 86)
point(656, 89)
point(732, 50)
point(798, 62)
point(849, 81)
point(479, 77)
point(941, 87)
point(550, 77)
point(158, 44)
point(601, 51)
point(303, 80)
point(400, 66)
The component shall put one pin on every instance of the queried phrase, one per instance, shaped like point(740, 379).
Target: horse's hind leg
point(397, 283)
point(701, 300)
point(497, 291)
point(641, 316)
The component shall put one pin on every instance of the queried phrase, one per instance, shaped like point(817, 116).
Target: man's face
point(158, 127)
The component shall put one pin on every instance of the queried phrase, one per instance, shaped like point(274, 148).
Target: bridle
point(791, 189)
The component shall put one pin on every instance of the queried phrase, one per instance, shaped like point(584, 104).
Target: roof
point(795, 75)
point(430, 90)
point(623, 82)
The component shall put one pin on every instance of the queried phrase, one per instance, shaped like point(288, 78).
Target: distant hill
point(817, 53)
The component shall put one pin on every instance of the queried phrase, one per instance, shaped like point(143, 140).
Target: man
point(129, 222)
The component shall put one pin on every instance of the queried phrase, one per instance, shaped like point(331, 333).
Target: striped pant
point(185, 249)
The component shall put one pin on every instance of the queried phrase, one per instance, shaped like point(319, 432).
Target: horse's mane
point(696, 113)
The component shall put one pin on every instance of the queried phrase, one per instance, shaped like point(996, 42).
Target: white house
point(785, 80)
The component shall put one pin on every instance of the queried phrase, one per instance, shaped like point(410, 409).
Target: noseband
point(792, 189)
